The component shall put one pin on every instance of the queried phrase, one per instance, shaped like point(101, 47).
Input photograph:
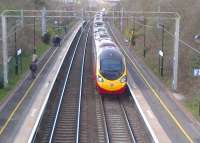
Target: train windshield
point(111, 66)
point(107, 44)
point(99, 24)
point(104, 36)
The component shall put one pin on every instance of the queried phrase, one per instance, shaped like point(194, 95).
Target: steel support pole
point(82, 14)
point(82, 18)
point(22, 18)
point(34, 43)
point(199, 108)
point(162, 58)
point(16, 56)
point(43, 22)
point(134, 24)
point(176, 50)
point(158, 10)
point(5, 50)
point(121, 19)
point(113, 16)
point(144, 53)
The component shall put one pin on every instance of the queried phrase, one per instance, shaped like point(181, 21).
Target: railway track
point(135, 120)
point(66, 123)
point(88, 112)
point(61, 121)
point(119, 121)
point(75, 114)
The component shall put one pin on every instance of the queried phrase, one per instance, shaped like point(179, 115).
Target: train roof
point(108, 49)
point(106, 42)
point(110, 52)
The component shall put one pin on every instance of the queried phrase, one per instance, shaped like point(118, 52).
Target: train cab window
point(102, 29)
point(111, 65)
point(99, 24)
point(108, 44)
point(104, 36)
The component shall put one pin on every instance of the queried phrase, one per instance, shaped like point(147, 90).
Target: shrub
point(46, 38)
point(1, 81)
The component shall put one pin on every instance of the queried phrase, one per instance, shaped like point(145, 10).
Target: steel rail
point(125, 127)
point(137, 12)
point(80, 90)
point(41, 114)
point(152, 133)
point(5, 125)
point(38, 16)
point(125, 117)
point(128, 123)
point(156, 94)
point(36, 11)
point(142, 13)
point(104, 121)
point(64, 87)
point(138, 17)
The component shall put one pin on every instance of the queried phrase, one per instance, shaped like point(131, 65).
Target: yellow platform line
point(157, 96)
point(164, 105)
point(25, 95)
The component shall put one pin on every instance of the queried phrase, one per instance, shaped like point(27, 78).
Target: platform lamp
point(145, 50)
point(162, 57)
point(34, 47)
point(199, 107)
point(34, 56)
point(16, 56)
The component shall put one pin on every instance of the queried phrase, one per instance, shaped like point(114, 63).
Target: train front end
point(111, 72)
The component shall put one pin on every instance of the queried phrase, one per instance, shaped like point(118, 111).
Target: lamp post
point(176, 53)
point(4, 49)
point(34, 46)
point(162, 57)
point(158, 10)
point(144, 38)
point(16, 57)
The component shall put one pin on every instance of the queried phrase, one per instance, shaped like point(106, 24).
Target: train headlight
point(99, 79)
point(123, 79)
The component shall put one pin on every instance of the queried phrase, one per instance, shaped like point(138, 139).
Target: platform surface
point(176, 123)
point(23, 124)
point(156, 130)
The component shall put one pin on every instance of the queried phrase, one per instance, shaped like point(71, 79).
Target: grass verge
point(14, 79)
point(194, 106)
point(192, 100)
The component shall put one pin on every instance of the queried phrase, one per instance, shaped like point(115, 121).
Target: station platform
point(165, 115)
point(153, 126)
point(22, 126)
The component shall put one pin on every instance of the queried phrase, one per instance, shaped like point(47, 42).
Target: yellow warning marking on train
point(157, 95)
point(25, 95)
